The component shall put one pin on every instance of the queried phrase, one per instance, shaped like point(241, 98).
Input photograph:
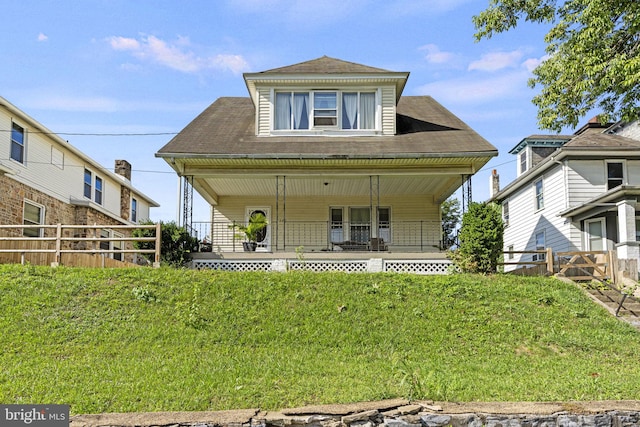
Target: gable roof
point(602, 141)
point(324, 70)
point(325, 65)
point(226, 129)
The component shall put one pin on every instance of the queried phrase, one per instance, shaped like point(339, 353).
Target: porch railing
point(411, 236)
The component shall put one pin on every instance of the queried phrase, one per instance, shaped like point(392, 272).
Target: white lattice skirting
point(376, 265)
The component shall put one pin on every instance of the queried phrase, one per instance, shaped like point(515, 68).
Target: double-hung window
point(33, 215)
point(540, 246)
point(92, 187)
point(539, 201)
point(505, 213)
point(615, 174)
point(88, 183)
point(98, 191)
point(325, 109)
point(134, 210)
point(17, 143)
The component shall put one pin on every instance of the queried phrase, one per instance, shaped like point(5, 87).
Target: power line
point(97, 134)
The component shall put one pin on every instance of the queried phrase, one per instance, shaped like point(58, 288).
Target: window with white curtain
point(292, 110)
point(353, 110)
point(358, 110)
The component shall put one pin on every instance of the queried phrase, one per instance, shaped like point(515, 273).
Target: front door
point(360, 219)
point(264, 236)
point(595, 235)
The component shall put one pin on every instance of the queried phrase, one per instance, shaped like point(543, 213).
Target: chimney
point(123, 168)
point(494, 184)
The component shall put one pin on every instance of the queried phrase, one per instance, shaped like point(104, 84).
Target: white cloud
point(42, 37)
point(532, 63)
point(495, 61)
point(176, 55)
point(468, 90)
point(435, 56)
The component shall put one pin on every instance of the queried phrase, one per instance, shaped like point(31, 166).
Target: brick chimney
point(494, 187)
point(123, 168)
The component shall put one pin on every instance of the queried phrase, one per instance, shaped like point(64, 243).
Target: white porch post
point(627, 246)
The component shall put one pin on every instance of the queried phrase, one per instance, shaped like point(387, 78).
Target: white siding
point(388, 110)
point(263, 125)
point(586, 179)
point(525, 221)
point(632, 130)
point(633, 172)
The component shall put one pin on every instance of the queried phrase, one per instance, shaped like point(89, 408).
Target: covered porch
point(367, 209)
point(610, 221)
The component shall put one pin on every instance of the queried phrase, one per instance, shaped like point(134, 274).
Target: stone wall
point(392, 413)
point(13, 194)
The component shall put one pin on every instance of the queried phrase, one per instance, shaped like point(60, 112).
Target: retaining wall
point(392, 413)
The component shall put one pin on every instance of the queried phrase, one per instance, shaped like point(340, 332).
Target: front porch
point(323, 261)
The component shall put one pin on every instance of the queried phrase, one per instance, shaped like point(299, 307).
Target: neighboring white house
point(575, 193)
point(45, 180)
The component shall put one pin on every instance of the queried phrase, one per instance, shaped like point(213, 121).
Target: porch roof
point(603, 202)
point(226, 129)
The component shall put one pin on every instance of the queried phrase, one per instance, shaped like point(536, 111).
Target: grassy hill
point(125, 340)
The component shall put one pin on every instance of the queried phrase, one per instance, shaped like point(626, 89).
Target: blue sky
point(117, 78)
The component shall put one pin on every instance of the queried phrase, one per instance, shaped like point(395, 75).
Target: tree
point(176, 243)
point(593, 56)
point(450, 215)
point(481, 239)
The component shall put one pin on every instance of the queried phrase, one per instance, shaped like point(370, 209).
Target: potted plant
point(257, 223)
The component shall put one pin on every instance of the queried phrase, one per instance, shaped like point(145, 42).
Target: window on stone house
point(33, 215)
point(17, 143)
point(134, 210)
point(98, 191)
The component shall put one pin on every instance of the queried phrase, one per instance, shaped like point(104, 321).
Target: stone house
point(45, 180)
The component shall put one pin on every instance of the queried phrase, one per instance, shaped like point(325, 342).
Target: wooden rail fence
point(63, 247)
point(577, 265)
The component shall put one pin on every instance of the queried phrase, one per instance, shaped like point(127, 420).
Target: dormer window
point(292, 110)
point(325, 109)
point(316, 110)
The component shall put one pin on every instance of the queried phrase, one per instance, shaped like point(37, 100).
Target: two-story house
point(44, 180)
point(574, 193)
point(333, 155)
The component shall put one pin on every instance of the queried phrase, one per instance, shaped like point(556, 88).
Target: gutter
point(321, 156)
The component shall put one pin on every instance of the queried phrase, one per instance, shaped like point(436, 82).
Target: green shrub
point(176, 247)
point(481, 239)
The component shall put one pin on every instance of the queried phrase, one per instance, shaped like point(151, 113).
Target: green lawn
point(126, 340)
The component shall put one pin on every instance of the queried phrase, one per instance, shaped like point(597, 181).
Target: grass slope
point(148, 340)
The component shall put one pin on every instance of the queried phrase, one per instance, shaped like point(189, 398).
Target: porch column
point(627, 246)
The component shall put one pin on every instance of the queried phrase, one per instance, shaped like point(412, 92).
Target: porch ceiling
point(440, 186)
point(435, 176)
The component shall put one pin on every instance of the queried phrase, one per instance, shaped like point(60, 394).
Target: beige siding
point(415, 221)
point(388, 110)
point(263, 125)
